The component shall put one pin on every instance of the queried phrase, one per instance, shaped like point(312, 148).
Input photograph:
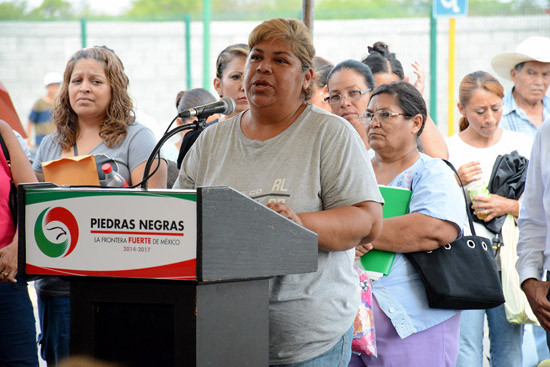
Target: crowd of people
point(333, 133)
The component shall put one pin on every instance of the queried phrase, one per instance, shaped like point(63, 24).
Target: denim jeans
point(18, 333)
point(505, 339)
point(55, 326)
point(337, 356)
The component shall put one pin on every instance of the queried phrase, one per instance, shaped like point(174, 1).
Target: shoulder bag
point(461, 275)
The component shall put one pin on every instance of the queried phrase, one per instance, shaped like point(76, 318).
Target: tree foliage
point(52, 9)
point(13, 10)
point(254, 9)
point(165, 7)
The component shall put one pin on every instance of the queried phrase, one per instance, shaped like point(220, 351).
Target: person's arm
point(432, 141)
point(415, 232)
point(21, 172)
point(21, 169)
point(342, 228)
point(533, 227)
point(157, 181)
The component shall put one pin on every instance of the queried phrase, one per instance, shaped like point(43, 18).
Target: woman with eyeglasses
point(408, 332)
point(386, 68)
point(349, 86)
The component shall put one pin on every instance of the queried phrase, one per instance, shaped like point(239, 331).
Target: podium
point(163, 277)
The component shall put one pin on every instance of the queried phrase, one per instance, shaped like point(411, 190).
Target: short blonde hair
point(295, 34)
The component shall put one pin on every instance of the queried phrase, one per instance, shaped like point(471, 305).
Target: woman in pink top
point(17, 330)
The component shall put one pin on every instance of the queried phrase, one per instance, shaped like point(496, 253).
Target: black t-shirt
point(188, 141)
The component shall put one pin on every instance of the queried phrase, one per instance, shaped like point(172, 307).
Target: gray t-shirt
point(126, 156)
point(317, 163)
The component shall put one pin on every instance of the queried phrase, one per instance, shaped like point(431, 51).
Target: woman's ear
point(179, 122)
point(218, 86)
point(325, 92)
point(460, 108)
point(417, 123)
point(308, 77)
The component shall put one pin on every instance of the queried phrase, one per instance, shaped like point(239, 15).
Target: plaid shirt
point(515, 119)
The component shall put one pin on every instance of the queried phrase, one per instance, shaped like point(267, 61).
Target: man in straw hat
point(526, 106)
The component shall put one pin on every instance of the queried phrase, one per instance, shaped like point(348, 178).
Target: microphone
point(226, 106)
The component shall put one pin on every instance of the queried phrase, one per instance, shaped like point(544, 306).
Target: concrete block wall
point(154, 52)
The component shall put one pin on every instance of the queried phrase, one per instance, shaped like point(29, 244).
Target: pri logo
point(56, 232)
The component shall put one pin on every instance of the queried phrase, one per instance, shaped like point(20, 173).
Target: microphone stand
point(200, 123)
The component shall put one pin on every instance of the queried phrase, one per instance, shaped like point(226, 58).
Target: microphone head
point(230, 105)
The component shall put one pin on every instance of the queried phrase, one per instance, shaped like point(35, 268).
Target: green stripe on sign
point(40, 196)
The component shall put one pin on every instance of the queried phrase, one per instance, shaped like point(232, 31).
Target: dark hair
point(193, 98)
point(520, 66)
point(178, 97)
point(228, 54)
point(356, 66)
point(321, 69)
point(119, 114)
point(468, 85)
point(408, 98)
point(381, 60)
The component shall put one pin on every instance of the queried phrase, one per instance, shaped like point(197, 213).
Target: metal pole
point(308, 14)
point(187, 20)
point(451, 90)
point(83, 33)
point(206, 17)
point(433, 67)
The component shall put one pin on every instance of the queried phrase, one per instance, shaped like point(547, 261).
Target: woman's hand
point(469, 172)
point(362, 249)
point(285, 211)
point(494, 206)
point(418, 70)
point(8, 262)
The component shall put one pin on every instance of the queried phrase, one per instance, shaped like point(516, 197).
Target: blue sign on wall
point(450, 8)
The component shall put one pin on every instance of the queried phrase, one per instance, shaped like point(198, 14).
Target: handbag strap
point(5, 150)
point(470, 219)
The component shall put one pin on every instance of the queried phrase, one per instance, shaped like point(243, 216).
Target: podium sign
point(202, 259)
point(111, 233)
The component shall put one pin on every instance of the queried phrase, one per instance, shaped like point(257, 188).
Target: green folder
point(397, 202)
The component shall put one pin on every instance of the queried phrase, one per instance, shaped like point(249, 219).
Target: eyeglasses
point(351, 95)
point(381, 115)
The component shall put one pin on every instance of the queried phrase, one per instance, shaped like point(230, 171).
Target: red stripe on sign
point(185, 270)
point(139, 233)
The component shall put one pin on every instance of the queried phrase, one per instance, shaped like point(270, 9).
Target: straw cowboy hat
point(532, 49)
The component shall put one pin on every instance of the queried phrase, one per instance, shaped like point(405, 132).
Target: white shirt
point(534, 240)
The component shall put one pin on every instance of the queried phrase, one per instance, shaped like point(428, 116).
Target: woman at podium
point(93, 116)
point(308, 165)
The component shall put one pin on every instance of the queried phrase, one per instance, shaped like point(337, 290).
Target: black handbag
point(13, 189)
point(461, 275)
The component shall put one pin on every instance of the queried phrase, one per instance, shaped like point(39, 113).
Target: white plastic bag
point(518, 310)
